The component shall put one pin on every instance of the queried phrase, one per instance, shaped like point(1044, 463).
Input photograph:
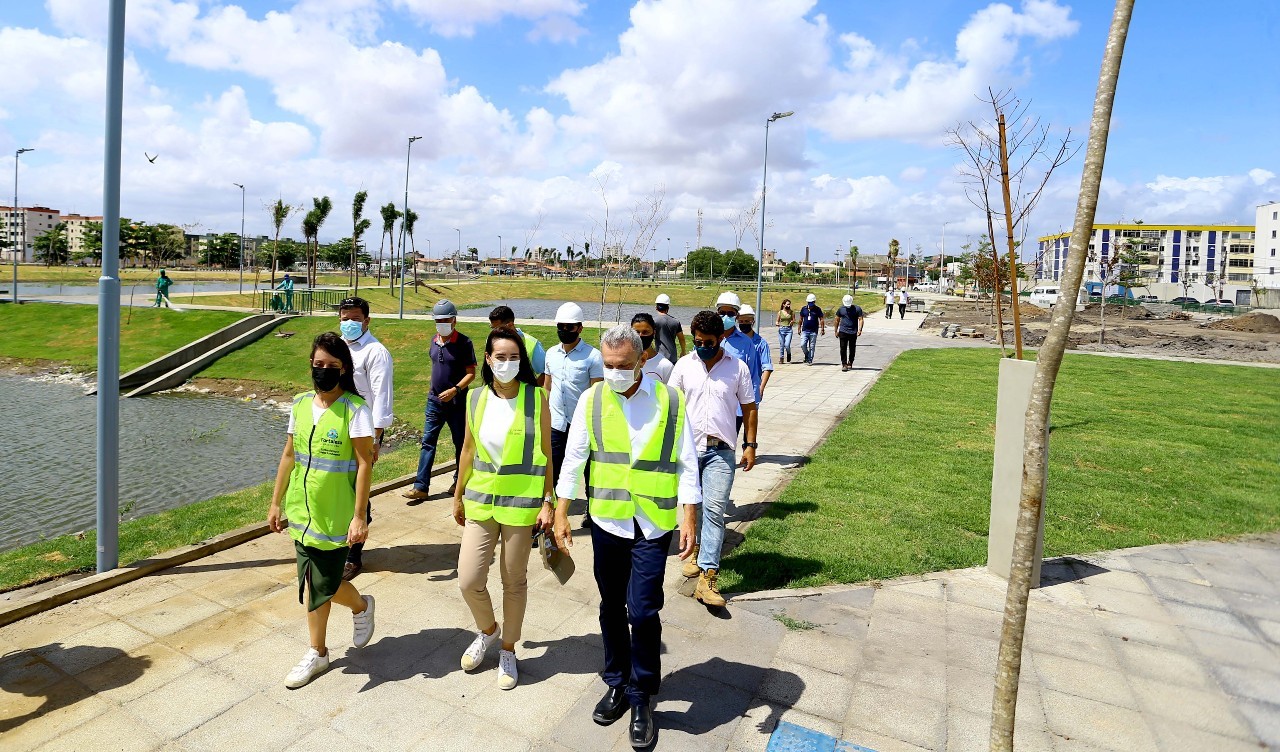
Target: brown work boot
point(708, 591)
point(691, 568)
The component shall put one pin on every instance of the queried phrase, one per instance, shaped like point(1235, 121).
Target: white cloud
point(455, 18)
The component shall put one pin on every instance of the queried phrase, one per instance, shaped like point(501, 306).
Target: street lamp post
point(764, 188)
point(942, 258)
point(839, 253)
point(19, 247)
point(403, 226)
point(241, 187)
point(457, 254)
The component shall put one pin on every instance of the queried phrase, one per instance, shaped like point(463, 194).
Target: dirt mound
point(1254, 323)
point(1033, 312)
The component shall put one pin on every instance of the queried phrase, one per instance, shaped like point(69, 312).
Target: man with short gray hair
point(632, 434)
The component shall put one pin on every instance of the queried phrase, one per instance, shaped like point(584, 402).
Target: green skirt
point(319, 573)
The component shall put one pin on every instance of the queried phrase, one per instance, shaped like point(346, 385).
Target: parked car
point(1148, 299)
point(1184, 300)
point(1044, 296)
point(1220, 303)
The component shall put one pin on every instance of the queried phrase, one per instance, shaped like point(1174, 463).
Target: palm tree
point(411, 218)
point(51, 246)
point(310, 231)
point(894, 249)
point(280, 212)
point(359, 225)
point(389, 216)
point(322, 208)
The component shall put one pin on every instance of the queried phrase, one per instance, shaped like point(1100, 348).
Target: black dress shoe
point(611, 706)
point(642, 726)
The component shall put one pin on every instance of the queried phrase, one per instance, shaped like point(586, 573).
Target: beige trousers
point(479, 540)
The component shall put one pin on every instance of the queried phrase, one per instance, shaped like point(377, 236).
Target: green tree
point(739, 264)
point(359, 226)
point(135, 240)
point(389, 214)
point(338, 254)
point(51, 246)
point(321, 207)
point(705, 262)
point(167, 243)
point(90, 244)
point(221, 250)
point(793, 267)
point(410, 219)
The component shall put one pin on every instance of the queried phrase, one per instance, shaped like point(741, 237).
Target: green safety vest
point(529, 342)
point(619, 482)
point(321, 499)
point(509, 491)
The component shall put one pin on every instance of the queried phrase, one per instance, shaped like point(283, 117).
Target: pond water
point(174, 449)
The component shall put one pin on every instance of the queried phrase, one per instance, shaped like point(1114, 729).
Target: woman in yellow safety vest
point(502, 494)
point(323, 481)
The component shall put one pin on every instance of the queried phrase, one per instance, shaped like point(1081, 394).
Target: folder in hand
point(560, 563)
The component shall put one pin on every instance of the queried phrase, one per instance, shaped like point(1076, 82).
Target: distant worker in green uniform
point(287, 285)
point(323, 483)
point(163, 283)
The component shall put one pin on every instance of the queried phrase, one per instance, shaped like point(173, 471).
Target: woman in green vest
point(323, 482)
point(502, 493)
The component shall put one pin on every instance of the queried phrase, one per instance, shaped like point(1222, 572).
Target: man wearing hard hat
point(572, 368)
point(739, 343)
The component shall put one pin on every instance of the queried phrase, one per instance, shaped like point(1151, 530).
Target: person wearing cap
point(668, 329)
point(571, 369)
point(503, 317)
point(902, 303)
point(735, 342)
point(374, 378)
point(746, 327)
point(812, 324)
point(888, 302)
point(162, 290)
point(849, 318)
point(453, 368)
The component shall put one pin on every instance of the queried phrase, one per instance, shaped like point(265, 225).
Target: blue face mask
point(351, 330)
point(730, 322)
point(707, 352)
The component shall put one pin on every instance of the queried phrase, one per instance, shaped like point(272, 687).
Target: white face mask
point(444, 328)
point(620, 379)
point(505, 370)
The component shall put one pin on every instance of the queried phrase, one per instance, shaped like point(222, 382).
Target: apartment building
point(77, 227)
point(22, 227)
point(1266, 247)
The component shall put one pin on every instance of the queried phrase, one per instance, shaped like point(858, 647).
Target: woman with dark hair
point(323, 481)
point(502, 493)
point(786, 321)
point(652, 361)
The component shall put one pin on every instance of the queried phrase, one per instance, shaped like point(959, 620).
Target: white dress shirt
point(373, 376)
point(641, 413)
point(713, 398)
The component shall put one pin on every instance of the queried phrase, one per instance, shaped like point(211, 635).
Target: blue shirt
point(810, 317)
point(744, 348)
point(450, 359)
point(766, 361)
point(571, 373)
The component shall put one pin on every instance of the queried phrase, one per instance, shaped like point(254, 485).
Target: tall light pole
point(853, 259)
point(20, 247)
point(839, 253)
point(458, 254)
point(764, 189)
point(499, 247)
point(403, 226)
point(942, 258)
point(241, 187)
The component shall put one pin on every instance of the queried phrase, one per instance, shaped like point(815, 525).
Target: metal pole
point(403, 227)
point(20, 247)
point(108, 433)
point(241, 187)
point(764, 192)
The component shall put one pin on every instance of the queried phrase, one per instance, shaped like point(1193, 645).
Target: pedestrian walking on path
point(503, 317)
point(849, 320)
point(163, 283)
point(785, 320)
point(668, 329)
point(717, 386)
point(902, 303)
point(502, 494)
point(572, 368)
point(374, 378)
point(635, 437)
point(652, 361)
point(812, 324)
point(888, 302)
point(746, 327)
point(453, 368)
point(323, 483)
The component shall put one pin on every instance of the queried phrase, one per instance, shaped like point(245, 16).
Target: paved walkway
point(1164, 648)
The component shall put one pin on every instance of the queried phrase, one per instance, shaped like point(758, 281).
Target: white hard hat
point(848, 300)
point(811, 299)
point(746, 310)
point(663, 299)
point(729, 299)
point(569, 313)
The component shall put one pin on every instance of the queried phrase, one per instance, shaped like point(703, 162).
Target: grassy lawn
point(69, 333)
point(1141, 452)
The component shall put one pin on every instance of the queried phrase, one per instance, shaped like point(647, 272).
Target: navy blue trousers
point(438, 415)
point(629, 575)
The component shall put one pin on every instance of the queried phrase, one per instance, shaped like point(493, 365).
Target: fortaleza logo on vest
point(330, 444)
point(332, 435)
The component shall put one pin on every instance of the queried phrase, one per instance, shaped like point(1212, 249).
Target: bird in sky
point(150, 158)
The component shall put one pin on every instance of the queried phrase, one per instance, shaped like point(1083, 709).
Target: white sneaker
point(474, 655)
point(507, 673)
point(312, 665)
point(363, 631)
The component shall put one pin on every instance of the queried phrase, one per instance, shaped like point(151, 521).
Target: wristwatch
point(750, 445)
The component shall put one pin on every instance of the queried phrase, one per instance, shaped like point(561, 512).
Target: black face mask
point(325, 379)
point(745, 328)
point(646, 341)
point(567, 336)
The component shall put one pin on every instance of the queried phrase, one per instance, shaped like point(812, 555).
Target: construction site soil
point(1253, 337)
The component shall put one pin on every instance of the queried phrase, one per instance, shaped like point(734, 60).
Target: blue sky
point(528, 107)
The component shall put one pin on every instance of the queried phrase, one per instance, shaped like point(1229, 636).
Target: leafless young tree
point(610, 238)
point(743, 220)
point(1048, 362)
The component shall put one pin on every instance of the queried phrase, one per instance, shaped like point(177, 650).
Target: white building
point(35, 220)
point(77, 227)
point(1266, 247)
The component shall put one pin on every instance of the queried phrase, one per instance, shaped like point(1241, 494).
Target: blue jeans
point(808, 344)
point(438, 415)
point(628, 573)
point(784, 341)
point(715, 469)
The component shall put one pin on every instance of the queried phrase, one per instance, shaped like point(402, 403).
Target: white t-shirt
point(902, 297)
point(361, 424)
point(658, 367)
point(495, 424)
point(888, 298)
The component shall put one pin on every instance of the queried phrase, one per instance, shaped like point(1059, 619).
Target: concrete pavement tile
point(933, 587)
point(700, 705)
point(831, 618)
point(269, 724)
point(579, 733)
point(1146, 607)
point(1191, 593)
point(1069, 643)
point(135, 596)
point(93, 646)
point(114, 730)
point(172, 614)
point(1233, 574)
point(1164, 665)
point(1097, 723)
point(1063, 594)
point(1079, 617)
point(979, 623)
point(130, 676)
point(1260, 683)
point(1251, 604)
point(276, 610)
point(1208, 710)
point(1168, 570)
point(976, 653)
point(880, 743)
point(913, 674)
point(54, 626)
point(238, 588)
point(264, 663)
point(1154, 633)
point(967, 731)
point(820, 650)
point(1089, 576)
point(26, 722)
point(759, 721)
point(169, 710)
point(327, 738)
point(907, 636)
point(1209, 620)
point(385, 716)
point(894, 602)
point(532, 709)
point(1220, 649)
point(896, 714)
point(1162, 552)
point(216, 636)
point(1271, 629)
point(806, 689)
point(1179, 737)
point(1081, 679)
point(985, 592)
point(1264, 720)
point(678, 739)
point(26, 672)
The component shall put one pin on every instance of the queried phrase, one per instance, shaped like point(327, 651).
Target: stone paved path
point(1166, 648)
